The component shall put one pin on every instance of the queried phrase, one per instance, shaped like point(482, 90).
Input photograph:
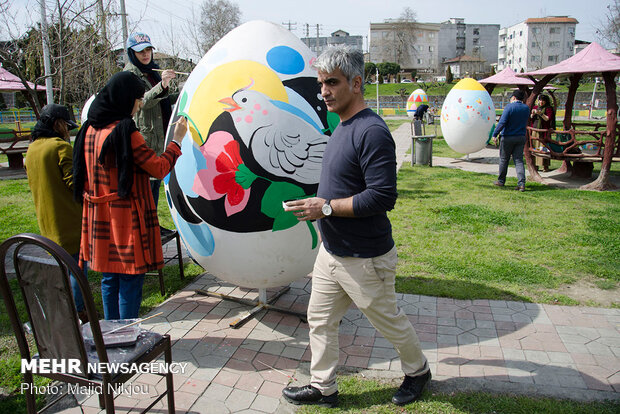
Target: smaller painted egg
point(467, 116)
point(417, 98)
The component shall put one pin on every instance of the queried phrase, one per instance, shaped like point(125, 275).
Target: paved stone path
point(480, 345)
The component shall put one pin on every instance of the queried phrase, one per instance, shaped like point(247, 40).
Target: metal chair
point(42, 269)
point(166, 236)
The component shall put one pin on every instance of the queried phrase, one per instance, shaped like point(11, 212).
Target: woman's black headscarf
point(154, 77)
point(113, 103)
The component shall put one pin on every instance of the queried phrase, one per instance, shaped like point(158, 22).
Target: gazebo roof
point(12, 83)
point(592, 59)
point(506, 77)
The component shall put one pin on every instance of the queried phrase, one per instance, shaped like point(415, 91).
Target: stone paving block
point(184, 400)
point(539, 357)
point(192, 385)
point(217, 392)
point(572, 380)
point(598, 349)
point(446, 322)
point(484, 332)
point(357, 361)
point(467, 339)
point(272, 347)
point(488, 342)
point(366, 332)
point(205, 374)
point(293, 352)
point(519, 376)
point(383, 353)
point(265, 404)
point(239, 400)
point(382, 343)
point(379, 363)
point(250, 381)
point(449, 330)
point(447, 339)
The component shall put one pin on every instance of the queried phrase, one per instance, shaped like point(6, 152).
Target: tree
point(400, 44)
point(369, 70)
point(610, 31)
point(449, 76)
point(218, 18)
point(80, 56)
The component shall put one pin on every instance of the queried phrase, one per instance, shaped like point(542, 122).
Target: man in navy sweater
point(357, 260)
point(512, 123)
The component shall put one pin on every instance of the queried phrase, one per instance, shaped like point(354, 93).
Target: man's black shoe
point(309, 395)
point(411, 388)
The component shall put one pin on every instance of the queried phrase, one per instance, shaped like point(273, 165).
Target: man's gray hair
point(346, 58)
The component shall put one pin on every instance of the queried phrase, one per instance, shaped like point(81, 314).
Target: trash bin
point(423, 150)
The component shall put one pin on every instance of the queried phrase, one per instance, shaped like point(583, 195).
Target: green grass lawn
point(360, 395)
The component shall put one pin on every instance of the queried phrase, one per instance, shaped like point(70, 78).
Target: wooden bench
point(14, 144)
point(565, 146)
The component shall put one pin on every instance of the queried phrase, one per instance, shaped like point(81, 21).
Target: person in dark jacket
point(512, 125)
point(357, 261)
point(49, 166)
point(152, 120)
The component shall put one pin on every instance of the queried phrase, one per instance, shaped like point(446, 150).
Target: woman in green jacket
point(152, 120)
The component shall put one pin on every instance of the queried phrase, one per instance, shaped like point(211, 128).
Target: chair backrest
point(42, 269)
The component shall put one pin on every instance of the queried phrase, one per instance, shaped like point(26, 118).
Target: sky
point(160, 18)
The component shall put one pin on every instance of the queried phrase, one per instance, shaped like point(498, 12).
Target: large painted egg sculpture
point(467, 116)
point(258, 127)
point(417, 98)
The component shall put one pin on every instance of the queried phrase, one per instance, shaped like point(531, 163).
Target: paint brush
point(277, 370)
point(178, 73)
point(130, 324)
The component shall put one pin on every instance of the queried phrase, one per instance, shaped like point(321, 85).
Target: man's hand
point(306, 208)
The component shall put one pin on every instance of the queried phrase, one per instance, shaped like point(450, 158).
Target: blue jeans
point(121, 294)
point(75, 288)
point(511, 146)
point(155, 184)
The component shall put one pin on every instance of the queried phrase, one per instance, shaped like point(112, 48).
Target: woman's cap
point(139, 41)
point(53, 112)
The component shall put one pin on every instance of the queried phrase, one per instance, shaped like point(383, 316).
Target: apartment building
point(413, 45)
point(457, 38)
point(536, 43)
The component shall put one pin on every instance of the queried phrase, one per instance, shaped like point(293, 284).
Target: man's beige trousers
point(369, 283)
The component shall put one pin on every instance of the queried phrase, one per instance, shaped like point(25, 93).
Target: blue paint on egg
point(285, 60)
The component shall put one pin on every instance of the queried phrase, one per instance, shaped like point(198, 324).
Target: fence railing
point(24, 115)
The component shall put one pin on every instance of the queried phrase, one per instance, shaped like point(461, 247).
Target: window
point(535, 58)
point(419, 61)
point(534, 44)
point(521, 33)
point(553, 30)
point(476, 31)
point(431, 35)
point(430, 48)
point(535, 30)
point(553, 58)
point(476, 40)
point(519, 60)
point(571, 31)
point(554, 44)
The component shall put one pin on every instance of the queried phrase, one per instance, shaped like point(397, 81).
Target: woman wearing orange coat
point(112, 166)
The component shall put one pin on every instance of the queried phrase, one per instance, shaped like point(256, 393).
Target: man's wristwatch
point(327, 208)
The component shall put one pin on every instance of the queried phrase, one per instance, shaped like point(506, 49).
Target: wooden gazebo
point(567, 144)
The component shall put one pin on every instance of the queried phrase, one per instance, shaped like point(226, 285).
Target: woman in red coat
point(112, 166)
